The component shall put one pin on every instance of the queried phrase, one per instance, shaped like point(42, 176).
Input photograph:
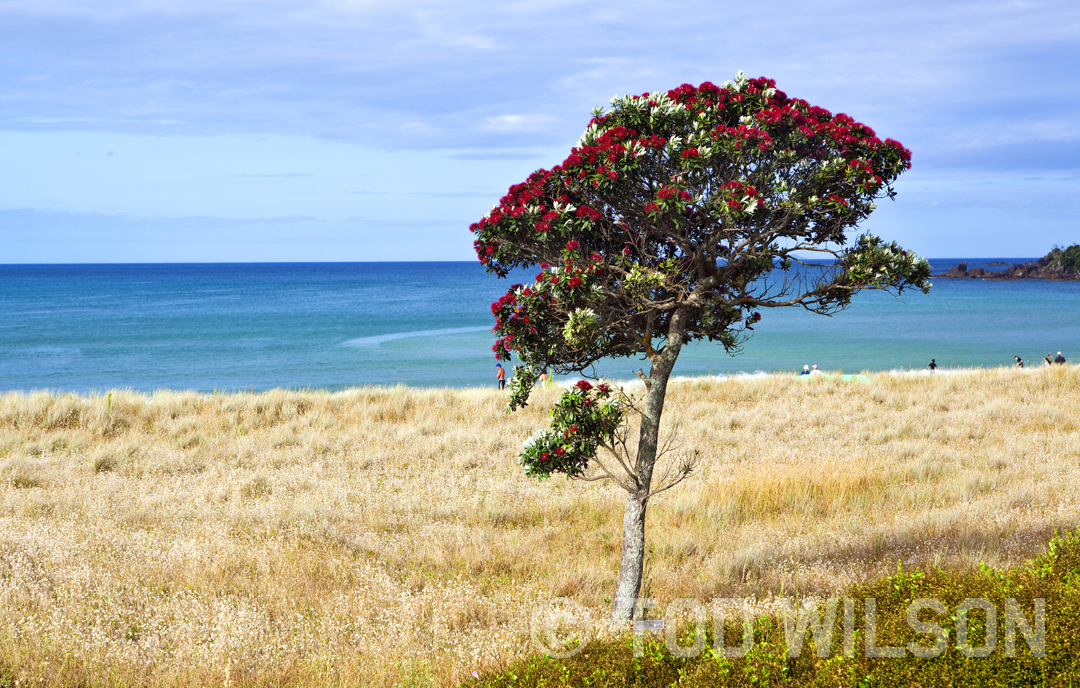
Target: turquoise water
point(211, 327)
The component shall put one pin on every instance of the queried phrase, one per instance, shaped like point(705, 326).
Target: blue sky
point(274, 130)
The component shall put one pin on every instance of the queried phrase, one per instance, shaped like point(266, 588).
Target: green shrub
point(1053, 577)
point(1070, 258)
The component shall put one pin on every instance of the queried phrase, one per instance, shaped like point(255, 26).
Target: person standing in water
point(1048, 361)
point(933, 365)
point(1060, 360)
point(500, 375)
point(1019, 362)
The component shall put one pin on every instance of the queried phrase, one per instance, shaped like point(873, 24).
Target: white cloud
point(982, 85)
point(519, 122)
point(418, 128)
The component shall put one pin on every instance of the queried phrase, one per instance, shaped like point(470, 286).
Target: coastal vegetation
point(388, 536)
point(678, 217)
point(1068, 259)
point(969, 642)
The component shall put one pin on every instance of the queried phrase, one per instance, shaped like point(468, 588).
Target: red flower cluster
point(864, 169)
point(905, 154)
point(609, 149)
point(544, 224)
point(708, 95)
point(503, 347)
point(690, 153)
point(505, 299)
point(667, 193)
point(512, 207)
point(780, 115)
point(735, 191)
point(594, 164)
point(571, 245)
point(573, 282)
point(583, 385)
point(586, 211)
point(743, 134)
point(573, 160)
point(737, 188)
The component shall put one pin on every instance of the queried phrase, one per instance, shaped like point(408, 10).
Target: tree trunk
point(633, 554)
point(633, 559)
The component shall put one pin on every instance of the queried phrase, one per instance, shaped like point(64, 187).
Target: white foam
point(637, 382)
point(379, 339)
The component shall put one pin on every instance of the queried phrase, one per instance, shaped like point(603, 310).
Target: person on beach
point(1048, 361)
point(815, 371)
point(544, 377)
point(1019, 362)
point(933, 365)
point(806, 370)
point(500, 375)
point(1060, 360)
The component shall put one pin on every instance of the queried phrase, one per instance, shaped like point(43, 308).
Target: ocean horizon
point(90, 328)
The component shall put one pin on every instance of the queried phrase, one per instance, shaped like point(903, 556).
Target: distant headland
point(1059, 264)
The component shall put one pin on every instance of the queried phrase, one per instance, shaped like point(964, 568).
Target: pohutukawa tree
point(678, 217)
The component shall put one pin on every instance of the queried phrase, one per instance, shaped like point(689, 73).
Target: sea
point(333, 326)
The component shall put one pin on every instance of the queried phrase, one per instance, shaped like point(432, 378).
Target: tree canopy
point(686, 199)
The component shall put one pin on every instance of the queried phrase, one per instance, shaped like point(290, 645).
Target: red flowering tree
point(679, 216)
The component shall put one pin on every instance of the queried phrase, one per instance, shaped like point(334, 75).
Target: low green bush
point(1053, 577)
point(1070, 258)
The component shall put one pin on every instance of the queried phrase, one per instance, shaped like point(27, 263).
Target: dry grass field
point(388, 537)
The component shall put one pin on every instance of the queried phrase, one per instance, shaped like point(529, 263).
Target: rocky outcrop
point(1059, 264)
point(959, 271)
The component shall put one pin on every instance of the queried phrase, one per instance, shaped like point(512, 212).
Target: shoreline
point(565, 382)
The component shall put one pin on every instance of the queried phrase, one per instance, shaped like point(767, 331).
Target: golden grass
point(388, 537)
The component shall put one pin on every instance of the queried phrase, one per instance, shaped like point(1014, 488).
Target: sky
point(363, 130)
